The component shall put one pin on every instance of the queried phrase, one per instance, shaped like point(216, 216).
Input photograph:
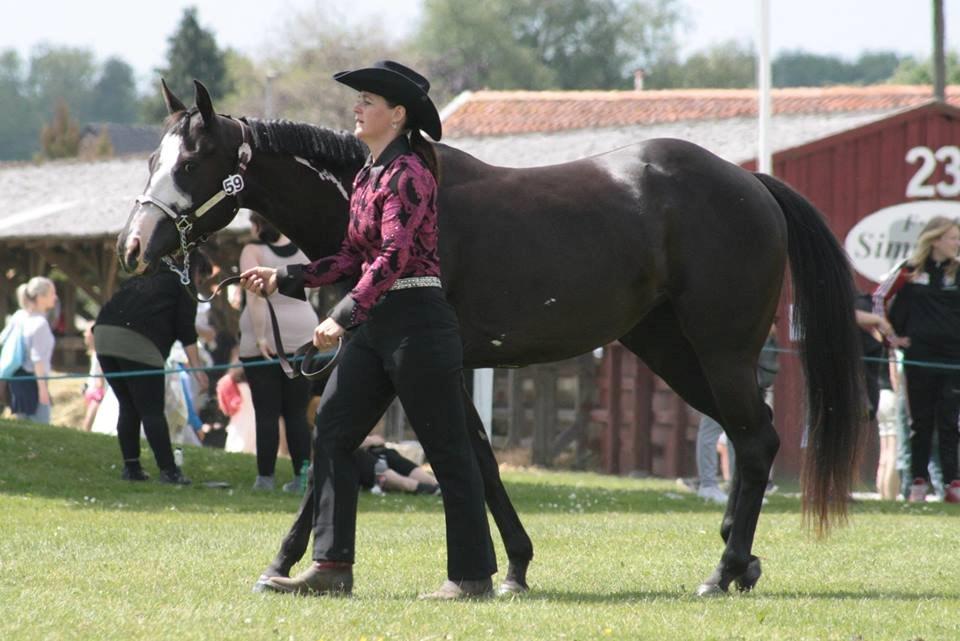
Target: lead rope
point(305, 355)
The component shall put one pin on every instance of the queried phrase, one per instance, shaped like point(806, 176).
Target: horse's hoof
point(710, 589)
point(749, 578)
point(516, 580)
point(511, 587)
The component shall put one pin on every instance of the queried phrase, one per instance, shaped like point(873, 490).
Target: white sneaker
point(713, 494)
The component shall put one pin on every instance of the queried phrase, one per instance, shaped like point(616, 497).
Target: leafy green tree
point(874, 67)
point(310, 47)
point(728, 65)
point(192, 53)
point(471, 45)
point(115, 93)
point(530, 44)
point(61, 137)
point(62, 74)
point(920, 72)
point(19, 121)
point(804, 69)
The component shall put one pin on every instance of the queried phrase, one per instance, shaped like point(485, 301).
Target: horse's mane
point(317, 145)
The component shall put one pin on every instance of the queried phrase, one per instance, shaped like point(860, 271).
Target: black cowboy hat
point(398, 84)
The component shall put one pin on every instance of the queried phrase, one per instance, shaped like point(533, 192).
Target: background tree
point(19, 120)
point(529, 44)
point(192, 53)
point(60, 138)
point(803, 69)
point(912, 71)
point(727, 65)
point(115, 93)
point(873, 67)
point(308, 49)
point(62, 74)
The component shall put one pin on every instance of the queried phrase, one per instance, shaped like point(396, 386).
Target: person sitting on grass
point(386, 469)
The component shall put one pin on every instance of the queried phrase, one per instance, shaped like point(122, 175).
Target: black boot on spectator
point(174, 476)
point(133, 471)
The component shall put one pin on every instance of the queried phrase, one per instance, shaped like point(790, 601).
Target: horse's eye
point(188, 166)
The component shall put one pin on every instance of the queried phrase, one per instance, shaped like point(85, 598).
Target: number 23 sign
point(949, 157)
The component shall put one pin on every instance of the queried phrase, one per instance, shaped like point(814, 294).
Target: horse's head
point(187, 195)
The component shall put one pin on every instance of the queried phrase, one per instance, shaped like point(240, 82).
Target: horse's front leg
point(294, 544)
point(515, 539)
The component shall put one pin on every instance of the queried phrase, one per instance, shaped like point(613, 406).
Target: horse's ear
point(173, 103)
point(204, 104)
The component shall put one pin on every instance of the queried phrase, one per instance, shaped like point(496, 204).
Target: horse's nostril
point(132, 253)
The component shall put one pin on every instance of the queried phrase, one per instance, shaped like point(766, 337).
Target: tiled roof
point(497, 113)
point(734, 139)
point(71, 198)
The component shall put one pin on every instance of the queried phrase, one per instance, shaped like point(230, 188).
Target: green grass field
point(86, 556)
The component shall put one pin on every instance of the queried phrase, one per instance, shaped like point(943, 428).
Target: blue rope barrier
point(156, 372)
point(274, 361)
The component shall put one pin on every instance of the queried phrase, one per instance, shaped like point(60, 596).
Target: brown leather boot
point(457, 590)
point(316, 581)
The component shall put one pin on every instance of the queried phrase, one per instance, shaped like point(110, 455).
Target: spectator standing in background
point(134, 332)
point(30, 398)
point(274, 395)
point(923, 295)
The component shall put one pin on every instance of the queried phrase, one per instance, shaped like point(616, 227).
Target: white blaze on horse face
point(162, 186)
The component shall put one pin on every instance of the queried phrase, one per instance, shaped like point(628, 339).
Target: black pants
point(934, 400)
point(274, 395)
point(141, 400)
point(410, 347)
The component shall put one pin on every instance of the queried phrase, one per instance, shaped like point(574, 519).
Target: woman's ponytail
point(426, 151)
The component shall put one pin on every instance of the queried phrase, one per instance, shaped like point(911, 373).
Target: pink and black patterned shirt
point(392, 233)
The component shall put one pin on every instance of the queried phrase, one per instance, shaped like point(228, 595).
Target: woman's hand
point(327, 333)
point(259, 280)
point(898, 342)
point(264, 346)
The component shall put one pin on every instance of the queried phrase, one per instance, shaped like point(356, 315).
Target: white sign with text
point(884, 238)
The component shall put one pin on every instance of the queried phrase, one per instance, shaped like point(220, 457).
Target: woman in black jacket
point(134, 332)
point(925, 309)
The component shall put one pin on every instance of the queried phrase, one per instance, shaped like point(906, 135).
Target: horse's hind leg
point(747, 422)
point(659, 341)
point(515, 539)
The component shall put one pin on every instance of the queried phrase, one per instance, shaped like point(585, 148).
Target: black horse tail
point(824, 321)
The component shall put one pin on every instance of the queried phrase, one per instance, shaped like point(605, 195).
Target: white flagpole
point(765, 107)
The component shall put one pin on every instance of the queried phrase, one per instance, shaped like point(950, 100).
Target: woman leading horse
point(406, 341)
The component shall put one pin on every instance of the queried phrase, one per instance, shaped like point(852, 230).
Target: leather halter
point(232, 185)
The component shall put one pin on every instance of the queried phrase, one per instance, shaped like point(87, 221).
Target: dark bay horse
point(674, 252)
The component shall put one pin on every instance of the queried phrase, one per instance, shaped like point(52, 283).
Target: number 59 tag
point(233, 184)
